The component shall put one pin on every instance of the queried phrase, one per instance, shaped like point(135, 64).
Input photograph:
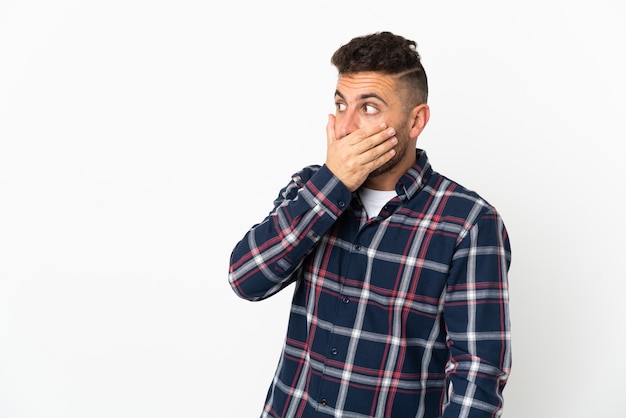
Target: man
point(400, 305)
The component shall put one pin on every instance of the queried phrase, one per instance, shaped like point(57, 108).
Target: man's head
point(382, 81)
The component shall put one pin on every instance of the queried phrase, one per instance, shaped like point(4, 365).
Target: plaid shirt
point(401, 315)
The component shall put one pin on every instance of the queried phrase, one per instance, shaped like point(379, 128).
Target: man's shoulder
point(457, 196)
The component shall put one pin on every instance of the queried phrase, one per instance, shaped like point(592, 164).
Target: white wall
point(140, 139)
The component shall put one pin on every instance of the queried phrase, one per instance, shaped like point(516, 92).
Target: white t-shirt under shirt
point(374, 200)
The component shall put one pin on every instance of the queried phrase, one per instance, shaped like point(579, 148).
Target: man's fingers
point(353, 157)
point(382, 152)
point(367, 133)
point(330, 129)
point(375, 140)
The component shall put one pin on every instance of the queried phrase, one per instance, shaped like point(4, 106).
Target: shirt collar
point(414, 179)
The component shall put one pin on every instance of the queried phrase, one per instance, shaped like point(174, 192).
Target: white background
point(141, 139)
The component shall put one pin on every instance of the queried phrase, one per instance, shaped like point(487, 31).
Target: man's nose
point(349, 123)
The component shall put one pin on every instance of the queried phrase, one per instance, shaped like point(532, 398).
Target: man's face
point(371, 98)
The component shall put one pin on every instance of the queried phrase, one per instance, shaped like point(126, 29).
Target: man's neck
point(382, 182)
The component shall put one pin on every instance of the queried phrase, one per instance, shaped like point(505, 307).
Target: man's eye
point(369, 109)
point(340, 107)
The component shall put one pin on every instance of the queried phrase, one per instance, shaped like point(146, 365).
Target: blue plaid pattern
point(401, 315)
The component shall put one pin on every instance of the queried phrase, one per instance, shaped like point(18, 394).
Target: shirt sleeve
point(477, 320)
point(268, 257)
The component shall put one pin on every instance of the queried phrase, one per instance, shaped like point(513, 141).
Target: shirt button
point(357, 247)
point(334, 351)
point(345, 300)
point(342, 203)
point(324, 402)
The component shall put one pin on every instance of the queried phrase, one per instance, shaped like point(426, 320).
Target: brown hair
point(386, 53)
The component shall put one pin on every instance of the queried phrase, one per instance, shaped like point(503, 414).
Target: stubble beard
point(403, 139)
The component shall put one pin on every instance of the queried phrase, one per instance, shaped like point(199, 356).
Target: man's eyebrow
point(363, 96)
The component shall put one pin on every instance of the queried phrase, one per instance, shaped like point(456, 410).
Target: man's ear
point(419, 116)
